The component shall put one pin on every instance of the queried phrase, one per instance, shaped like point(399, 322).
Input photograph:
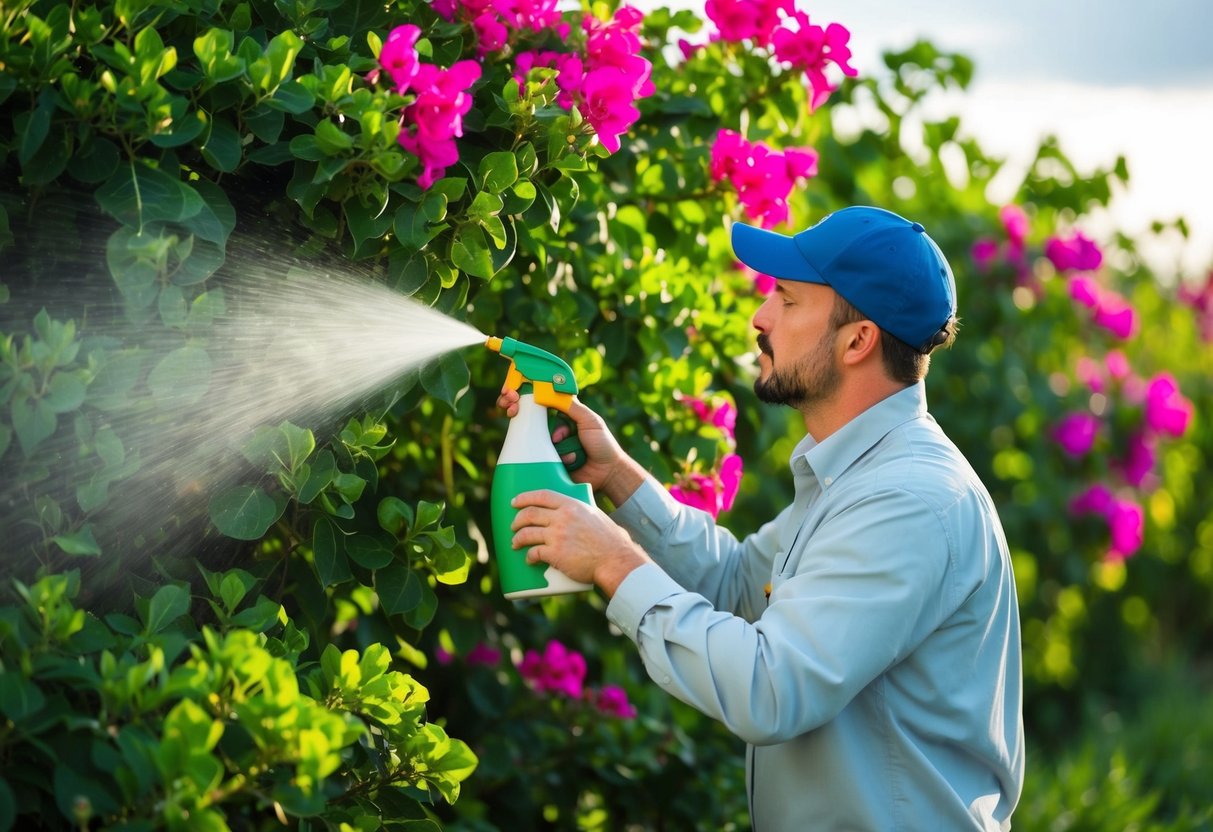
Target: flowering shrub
point(562, 177)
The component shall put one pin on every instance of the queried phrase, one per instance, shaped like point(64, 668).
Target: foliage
point(140, 139)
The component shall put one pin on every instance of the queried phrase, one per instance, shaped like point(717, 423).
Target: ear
point(862, 342)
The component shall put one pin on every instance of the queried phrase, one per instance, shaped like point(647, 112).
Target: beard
point(810, 381)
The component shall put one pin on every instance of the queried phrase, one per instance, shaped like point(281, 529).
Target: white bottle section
point(528, 439)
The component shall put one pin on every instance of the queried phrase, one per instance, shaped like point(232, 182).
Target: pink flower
point(399, 56)
point(1076, 253)
point(484, 655)
point(811, 49)
point(1110, 310)
point(609, 95)
point(1126, 523)
point(1095, 500)
point(1115, 315)
point(1084, 290)
point(764, 284)
point(1166, 409)
point(712, 494)
point(1090, 372)
point(1076, 433)
point(1201, 300)
point(558, 670)
point(740, 20)
point(1015, 223)
point(1125, 519)
point(763, 177)
point(436, 117)
point(1117, 364)
point(983, 252)
point(613, 701)
point(723, 416)
point(1139, 460)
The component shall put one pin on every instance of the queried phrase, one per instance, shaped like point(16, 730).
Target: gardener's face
point(796, 336)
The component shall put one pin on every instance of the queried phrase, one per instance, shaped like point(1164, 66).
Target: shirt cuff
point(647, 514)
point(640, 591)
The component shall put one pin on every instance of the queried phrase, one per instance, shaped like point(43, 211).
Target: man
point(865, 643)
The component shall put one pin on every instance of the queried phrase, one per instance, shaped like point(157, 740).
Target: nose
point(761, 319)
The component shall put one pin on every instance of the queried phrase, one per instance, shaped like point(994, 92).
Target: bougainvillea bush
point(321, 643)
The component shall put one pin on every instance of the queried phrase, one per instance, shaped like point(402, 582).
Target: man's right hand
point(607, 469)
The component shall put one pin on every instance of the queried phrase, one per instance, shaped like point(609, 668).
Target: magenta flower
point(1076, 253)
point(1090, 373)
point(984, 252)
point(764, 284)
point(399, 56)
point(1125, 519)
point(1095, 500)
point(1126, 523)
point(436, 117)
point(1076, 433)
point(1115, 315)
point(762, 177)
point(612, 700)
point(754, 20)
point(557, 670)
point(723, 416)
point(712, 494)
point(1085, 290)
point(1138, 463)
point(1166, 409)
point(1117, 364)
point(483, 655)
point(1015, 223)
point(1201, 300)
point(811, 48)
point(609, 95)
point(1110, 310)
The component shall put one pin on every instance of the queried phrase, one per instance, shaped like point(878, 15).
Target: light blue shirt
point(879, 686)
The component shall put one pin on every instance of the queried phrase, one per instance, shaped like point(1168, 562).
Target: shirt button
point(828, 481)
point(665, 680)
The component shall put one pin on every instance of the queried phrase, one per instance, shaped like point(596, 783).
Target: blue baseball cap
point(881, 263)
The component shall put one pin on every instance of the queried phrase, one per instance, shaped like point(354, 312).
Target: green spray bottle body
point(530, 462)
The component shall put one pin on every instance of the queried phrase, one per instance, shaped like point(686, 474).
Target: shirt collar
point(829, 458)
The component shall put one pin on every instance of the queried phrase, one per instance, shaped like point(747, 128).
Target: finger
point(535, 555)
point(562, 431)
point(529, 536)
point(541, 499)
point(531, 516)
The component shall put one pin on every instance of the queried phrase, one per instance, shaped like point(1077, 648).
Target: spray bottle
point(529, 461)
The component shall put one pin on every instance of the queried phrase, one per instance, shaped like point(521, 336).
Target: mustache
point(764, 344)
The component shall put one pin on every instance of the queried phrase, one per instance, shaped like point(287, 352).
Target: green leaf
point(94, 162)
point(398, 588)
point(232, 590)
point(186, 127)
point(292, 97)
point(331, 139)
point(366, 223)
point(222, 149)
point(319, 476)
point(138, 194)
point(168, 604)
point(498, 171)
point(244, 512)
point(33, 421)
point(446, 378)
point(300, 442)
point(328, 547)
point(80, 543)
point(373, 551)
point(349, 486)
point(395, 516)
point(19, 696)
point(470, 252)
point(37, 127)
point(66, 392)
point(184, 375)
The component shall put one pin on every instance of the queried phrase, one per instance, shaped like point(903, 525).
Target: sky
point(1107, 77)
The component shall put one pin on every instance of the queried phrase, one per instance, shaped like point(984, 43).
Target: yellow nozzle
point(493, 343)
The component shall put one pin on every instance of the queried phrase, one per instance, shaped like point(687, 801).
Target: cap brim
point(772, 253)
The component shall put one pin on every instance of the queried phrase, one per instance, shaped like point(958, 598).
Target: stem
point(448, 457)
